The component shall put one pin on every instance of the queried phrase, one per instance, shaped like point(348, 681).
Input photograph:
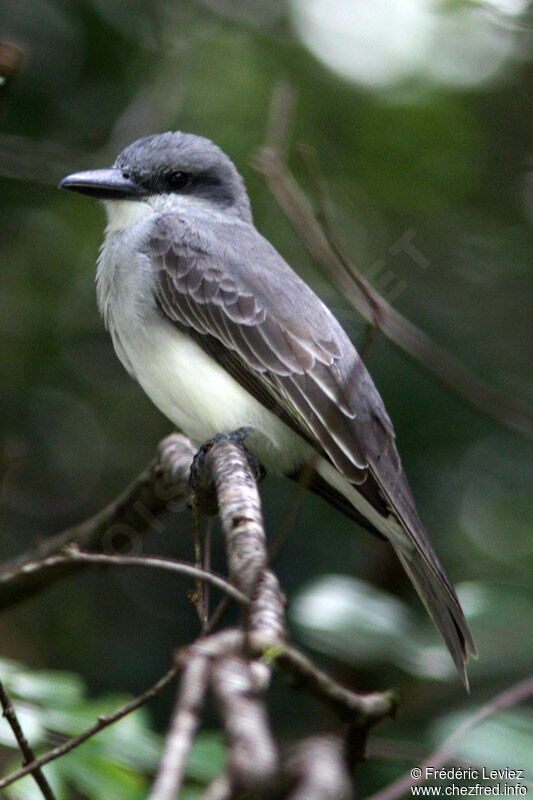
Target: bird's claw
point(238, 436)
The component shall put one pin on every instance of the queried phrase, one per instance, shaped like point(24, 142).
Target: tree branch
point(239, 678)
point(358, 709)
point(235, 664)
point(317, 766)
point(184, 724)
point(253, 755)
point(73, 554)
point(242, 524)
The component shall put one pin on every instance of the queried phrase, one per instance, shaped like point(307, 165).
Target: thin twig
point(310, 161)
point(279, 539)
point(370, 334)
point(10, 714)
point(358, 709)
point(207, 566)
point(315, 179)
point(199, 594)
point(510, 697)
point(218, 615)
point(179, 567)
point(280, 117)
point(103, 722)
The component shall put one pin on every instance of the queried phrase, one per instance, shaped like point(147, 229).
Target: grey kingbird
point(221, 334)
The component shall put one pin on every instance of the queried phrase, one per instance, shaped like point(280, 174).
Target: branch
point(161, 487)
point(358, 709)
point(240, 678)
point(449, 370)
point(186, 714)
point(318, 767)
point(510, 697)
point(253, 754)
point(235, 664)
point(73, 555)
point(13, 721)
point(242, 524)
point(240, 512)
point(219, 788)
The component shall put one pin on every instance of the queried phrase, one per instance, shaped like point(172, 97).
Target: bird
point(221, 333)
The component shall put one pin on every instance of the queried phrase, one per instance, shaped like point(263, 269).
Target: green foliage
point(362, 625)
point(115, 764)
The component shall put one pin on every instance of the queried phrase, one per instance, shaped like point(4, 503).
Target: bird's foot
point(198, 464)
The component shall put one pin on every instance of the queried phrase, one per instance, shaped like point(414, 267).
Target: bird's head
point(167, 170)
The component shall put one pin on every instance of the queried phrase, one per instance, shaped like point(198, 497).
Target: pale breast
point(186, 384)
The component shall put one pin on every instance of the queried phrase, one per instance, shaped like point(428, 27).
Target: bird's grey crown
point(152, 161)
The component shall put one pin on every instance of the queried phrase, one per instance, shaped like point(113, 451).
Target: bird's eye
point(178, 180)
point(125, 174)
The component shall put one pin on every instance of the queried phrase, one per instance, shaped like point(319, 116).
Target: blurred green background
point(419, 112)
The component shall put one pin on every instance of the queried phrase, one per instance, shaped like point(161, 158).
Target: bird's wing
point(270, 331)
point(293, 363)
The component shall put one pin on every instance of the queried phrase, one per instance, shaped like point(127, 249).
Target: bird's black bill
point(105, 184)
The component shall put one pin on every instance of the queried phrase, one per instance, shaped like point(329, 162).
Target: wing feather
point(287, 355)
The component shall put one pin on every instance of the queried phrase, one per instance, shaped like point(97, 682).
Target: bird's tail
point(397, 521)
point(440, 600)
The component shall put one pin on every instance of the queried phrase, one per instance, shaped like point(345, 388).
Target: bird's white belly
point(200, 397)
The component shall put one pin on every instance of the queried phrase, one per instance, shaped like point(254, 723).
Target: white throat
point(122, 214)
